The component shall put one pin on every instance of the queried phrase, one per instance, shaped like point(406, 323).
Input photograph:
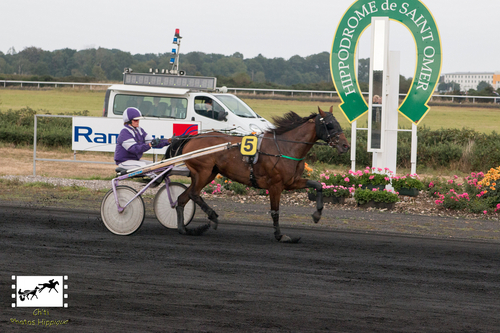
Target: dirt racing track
point(239, 279)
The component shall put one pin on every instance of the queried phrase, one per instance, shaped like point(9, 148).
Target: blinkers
point(328, 129)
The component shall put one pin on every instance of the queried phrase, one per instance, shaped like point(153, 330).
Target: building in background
point(470, 80)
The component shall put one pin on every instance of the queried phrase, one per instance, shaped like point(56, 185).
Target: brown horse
point(279, 167)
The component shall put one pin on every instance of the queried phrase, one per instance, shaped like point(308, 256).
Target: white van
point(170, 98)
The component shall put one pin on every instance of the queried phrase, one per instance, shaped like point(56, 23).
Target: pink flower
point(327, 177)
point(371, 177)
point(485, 212)
point(450, 181)
point(346, 179)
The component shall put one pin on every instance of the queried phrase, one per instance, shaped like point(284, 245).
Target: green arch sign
point(418, 19)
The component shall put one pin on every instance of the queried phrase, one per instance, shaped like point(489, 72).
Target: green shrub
point(486, 152)
point(17, 127)
point(363, 196)
point(236, 187)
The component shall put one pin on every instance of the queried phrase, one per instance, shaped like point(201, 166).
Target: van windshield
point(237, 106)
point(152, 106)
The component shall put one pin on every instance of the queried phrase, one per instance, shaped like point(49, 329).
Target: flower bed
point(478, 193)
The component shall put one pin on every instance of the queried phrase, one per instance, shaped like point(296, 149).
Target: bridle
point(325, 128)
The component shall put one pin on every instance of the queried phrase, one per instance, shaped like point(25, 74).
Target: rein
point(279, 151)
point(283, 140)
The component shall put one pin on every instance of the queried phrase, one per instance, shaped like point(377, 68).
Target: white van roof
point(149, 90)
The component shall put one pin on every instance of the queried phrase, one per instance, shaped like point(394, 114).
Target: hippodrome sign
point(418, 19)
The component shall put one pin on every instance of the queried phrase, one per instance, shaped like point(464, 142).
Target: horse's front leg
point(319, 198)
point(303, 183)
point(274, 196)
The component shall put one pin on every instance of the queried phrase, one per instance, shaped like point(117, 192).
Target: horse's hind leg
point(212, 215)
point(274, 196)
point(183, 229)
point(191, 193)
point(181, 202)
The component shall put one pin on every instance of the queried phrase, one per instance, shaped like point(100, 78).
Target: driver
point(133, 141)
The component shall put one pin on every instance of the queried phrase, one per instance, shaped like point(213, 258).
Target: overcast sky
point(470, 30)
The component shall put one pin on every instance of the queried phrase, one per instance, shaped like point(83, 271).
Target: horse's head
point(328, 129)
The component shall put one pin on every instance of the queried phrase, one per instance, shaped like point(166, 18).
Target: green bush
point(465, 148)
point(363, 196)
point(486, 152)
point(436, 149)
point(17, 127)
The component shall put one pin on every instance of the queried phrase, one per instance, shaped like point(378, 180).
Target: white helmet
point(131, 113)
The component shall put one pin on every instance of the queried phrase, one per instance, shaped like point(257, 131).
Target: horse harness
point(323, 129)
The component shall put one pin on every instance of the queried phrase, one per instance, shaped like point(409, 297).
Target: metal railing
point(38, 83)
point(273, 92)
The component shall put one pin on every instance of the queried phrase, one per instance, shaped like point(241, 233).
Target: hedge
point(464, 149)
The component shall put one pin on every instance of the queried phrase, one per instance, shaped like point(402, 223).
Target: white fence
point(49, 83)
point(272, 92)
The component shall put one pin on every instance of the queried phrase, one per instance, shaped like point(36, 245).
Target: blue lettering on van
point(100, 138)
point(111, 136)
point(86, 133)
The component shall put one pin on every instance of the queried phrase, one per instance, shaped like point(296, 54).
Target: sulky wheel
point(168, 215)
point(129, 220)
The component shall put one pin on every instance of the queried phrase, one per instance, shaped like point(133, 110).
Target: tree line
point(90, 65)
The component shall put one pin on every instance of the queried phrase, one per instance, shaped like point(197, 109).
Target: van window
point(237, 106)
point(152, 106)
point(207, 107)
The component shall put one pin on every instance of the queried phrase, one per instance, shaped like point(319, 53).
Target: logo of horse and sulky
point(40, 291)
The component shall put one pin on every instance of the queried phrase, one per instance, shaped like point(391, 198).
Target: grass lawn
point(67, 100)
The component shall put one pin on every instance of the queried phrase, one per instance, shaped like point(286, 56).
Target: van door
point(210, 113)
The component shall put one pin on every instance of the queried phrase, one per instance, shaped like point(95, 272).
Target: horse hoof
point(287, 239)
point(316, 216)
point(215, 225)
point(182, 231)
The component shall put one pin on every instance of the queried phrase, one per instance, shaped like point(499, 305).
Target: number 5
point(249, 145)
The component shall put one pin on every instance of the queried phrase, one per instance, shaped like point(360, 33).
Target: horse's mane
point(288, 122)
